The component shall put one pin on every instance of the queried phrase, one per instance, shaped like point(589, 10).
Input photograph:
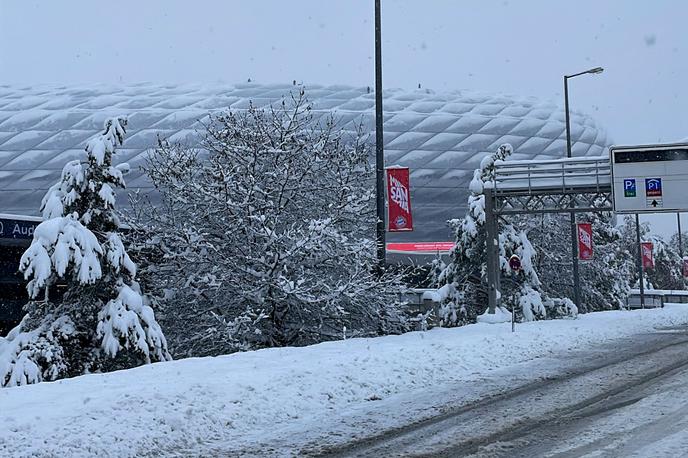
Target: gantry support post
point(492, 247)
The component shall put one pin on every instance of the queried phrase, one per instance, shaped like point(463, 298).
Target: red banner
point(399, 200)
point(420, 247)
point(648, 260)
point(585, 248)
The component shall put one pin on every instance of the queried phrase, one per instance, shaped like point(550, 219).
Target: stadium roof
point(441, 137)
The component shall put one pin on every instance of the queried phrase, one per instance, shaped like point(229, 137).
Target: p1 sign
point(653, 187)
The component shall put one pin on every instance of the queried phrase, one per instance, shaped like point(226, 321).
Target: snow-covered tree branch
point(264, 234)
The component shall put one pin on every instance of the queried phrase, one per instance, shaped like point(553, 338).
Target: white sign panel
point(649, 179)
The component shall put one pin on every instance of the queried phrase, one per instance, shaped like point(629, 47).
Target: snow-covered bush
point(465, 275)
point(102, 322)
point(264, 235)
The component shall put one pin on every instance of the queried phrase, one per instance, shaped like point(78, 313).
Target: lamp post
point(379, 146)
point(574, 235)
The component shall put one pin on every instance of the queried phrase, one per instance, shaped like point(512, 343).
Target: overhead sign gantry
point(636, 179)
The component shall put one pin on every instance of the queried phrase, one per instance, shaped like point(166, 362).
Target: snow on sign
point(650, 178)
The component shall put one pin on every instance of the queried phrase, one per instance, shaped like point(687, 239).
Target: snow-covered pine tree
point(674, 242)
point(103, 322)
point(606, 279)
point(464, 283)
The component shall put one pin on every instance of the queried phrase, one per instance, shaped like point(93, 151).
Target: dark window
point(621, 157)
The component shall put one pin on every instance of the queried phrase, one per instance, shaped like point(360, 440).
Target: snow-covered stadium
point(441, 136)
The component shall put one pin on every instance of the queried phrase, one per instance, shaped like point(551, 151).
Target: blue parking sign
point(653, 187)
point(629, 187)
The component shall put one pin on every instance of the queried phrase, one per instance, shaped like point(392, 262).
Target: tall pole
point(639, 262)
point(379, 145)
point(568, 117)
point(574, 232)
point(680, 236)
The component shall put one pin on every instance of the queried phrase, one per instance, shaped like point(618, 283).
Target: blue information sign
point(16, 229)
point(653, 187)
point(629, 187)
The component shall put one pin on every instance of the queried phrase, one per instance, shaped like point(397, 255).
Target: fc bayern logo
point(400, 221)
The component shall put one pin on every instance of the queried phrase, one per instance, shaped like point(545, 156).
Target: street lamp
point(594, 71)
point(574, 237)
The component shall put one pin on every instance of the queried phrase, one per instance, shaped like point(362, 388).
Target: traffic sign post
point(516, 266)
point(649, 179)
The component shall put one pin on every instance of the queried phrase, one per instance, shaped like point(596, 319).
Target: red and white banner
point(646, 250)
point(420, 247)
point(399, 200)
point(585, 248)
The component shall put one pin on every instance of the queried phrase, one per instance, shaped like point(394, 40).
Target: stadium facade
point(441, 137)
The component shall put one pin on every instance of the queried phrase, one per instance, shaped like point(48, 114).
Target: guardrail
point(656, 297)
point(556, 174)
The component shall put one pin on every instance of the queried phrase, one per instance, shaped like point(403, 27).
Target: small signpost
point(516, 267)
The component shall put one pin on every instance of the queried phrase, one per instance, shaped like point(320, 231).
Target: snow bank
point(242, 398)
point(501, 315)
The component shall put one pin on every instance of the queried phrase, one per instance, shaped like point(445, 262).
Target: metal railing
point(557, 175)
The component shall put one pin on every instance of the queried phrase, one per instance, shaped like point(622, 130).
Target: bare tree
point(264, 234)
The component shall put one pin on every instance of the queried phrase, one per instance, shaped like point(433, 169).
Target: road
point(630, 399)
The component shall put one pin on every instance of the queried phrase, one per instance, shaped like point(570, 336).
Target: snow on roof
point(442, 137)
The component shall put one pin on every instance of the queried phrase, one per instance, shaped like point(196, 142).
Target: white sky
point(519, 47)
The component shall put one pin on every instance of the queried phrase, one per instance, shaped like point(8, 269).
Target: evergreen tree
point(667, 270)
point(606, 279)
point(103, 322)
point(464, 280)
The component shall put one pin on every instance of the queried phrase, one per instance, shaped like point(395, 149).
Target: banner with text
point(648, 260)
point(399, 215)
point(585, 249)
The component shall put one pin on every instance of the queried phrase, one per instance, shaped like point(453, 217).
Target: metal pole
point(574, 232)
point(568, 119)
point(513, 318)
point(680, 236)
point(492, 248)
point(379, 145)
point(639, 262)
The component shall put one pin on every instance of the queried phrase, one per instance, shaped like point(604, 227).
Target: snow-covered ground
point(284, 397)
